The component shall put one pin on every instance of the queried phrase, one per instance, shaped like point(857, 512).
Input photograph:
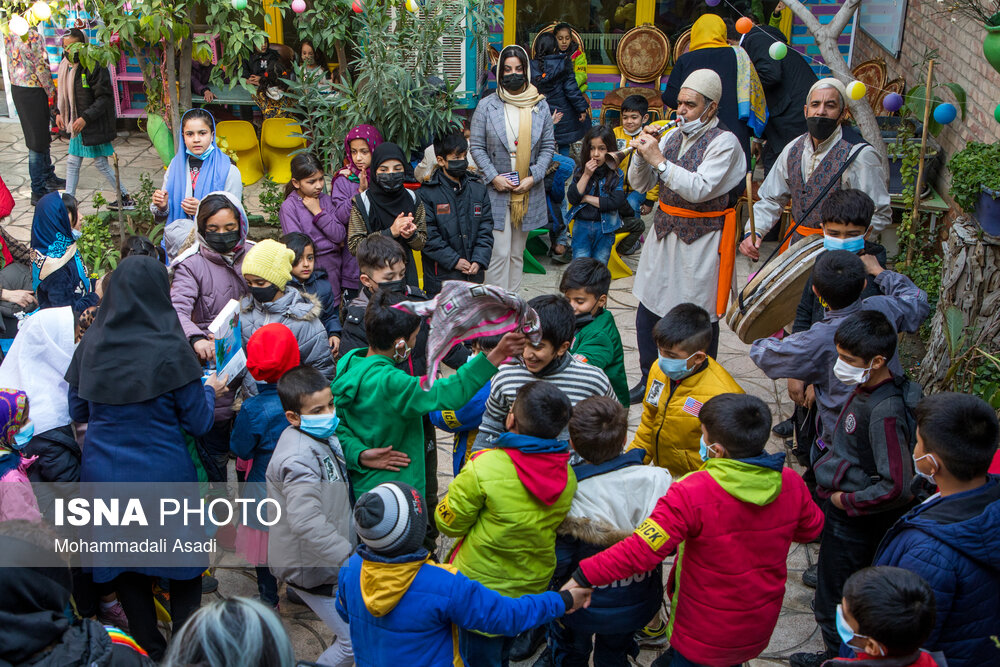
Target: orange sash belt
point(727, 249)
point(801, 231)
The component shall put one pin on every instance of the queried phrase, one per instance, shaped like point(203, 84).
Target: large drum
point(770, 298)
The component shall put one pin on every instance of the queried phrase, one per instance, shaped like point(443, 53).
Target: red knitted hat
point(271, 352)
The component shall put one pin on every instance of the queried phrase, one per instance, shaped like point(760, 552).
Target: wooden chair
point(642, 55)
point(897, 85)
point(682, 45)
point(241, 138)
point(278, 144)
point(873, 74)
point(549, 28)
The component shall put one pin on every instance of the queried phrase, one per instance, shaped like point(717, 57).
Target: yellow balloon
point(411, 5)
point(856, 90)
point(41, 11)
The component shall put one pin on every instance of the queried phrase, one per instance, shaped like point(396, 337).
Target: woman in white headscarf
point(512, 143)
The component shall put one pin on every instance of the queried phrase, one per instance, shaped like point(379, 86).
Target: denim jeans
point(590, 241)
point(635, 200)
point(41, 170)
point(673, 658)
point(481, 651)
point(572, 649)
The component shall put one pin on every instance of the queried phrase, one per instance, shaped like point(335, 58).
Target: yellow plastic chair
point(616, 265)
point(277, 144)
point(242, 139)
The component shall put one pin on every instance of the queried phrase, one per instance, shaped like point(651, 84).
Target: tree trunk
point(341, 59)
point(184, 68)
point(826, 39)
point(170, 62)
point(970, 282)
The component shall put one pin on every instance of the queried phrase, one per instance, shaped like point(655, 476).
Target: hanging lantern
point(41, 11)
point(18, 25)
point(945, 113)
point(778, 50)
point(856, 90)
point(744, 25)
point(298, 6)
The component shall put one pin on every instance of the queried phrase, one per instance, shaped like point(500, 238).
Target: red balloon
point(357, 7)
point(744, 25)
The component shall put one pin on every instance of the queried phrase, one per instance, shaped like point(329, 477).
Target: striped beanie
point(391, 519)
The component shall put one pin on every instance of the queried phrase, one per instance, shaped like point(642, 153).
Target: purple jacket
point(328, 230)
point(203, 284)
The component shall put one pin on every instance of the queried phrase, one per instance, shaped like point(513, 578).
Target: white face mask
point(689, 127)
point(633, 134)
point(850, 374)
point(929, 477)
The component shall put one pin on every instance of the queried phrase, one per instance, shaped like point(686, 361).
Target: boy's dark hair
point(588, 274)
point(557, 318)
point(637, 104)
point(486, 343)
point(138, 245)
point(893, 606)
point(378, 252)
point(449, 144)
point(848, 207)
point(541, 409)
point(961, 431)
point(686, 325)
point(77, 34)
point(297, 242)
point(298, 382)
point(302, 166)
point(598, 428)
point(839, 276)
point(739, 422)
point(211, 205)
point(867, 334)
point(385, 324)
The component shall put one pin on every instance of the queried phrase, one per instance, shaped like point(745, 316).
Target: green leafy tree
point(327, 23)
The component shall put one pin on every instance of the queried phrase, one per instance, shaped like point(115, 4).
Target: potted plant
point(975, 183)
point(987, 14)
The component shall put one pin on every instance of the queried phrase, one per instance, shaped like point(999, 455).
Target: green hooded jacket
point(599, 344)
point(380, 405)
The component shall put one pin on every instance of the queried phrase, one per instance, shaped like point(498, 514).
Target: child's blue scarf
point(52, 235)
point(530, 444)
point(212, 177)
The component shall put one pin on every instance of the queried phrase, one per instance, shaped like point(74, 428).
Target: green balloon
point(778, 50)
point(239, 4)
point(996, 113)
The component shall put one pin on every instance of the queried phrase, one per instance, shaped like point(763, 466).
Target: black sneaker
point(56, 183)
point(810, 577)
point(209, 584)
point(127, 204)
point(637, 393)
point(563, 258)
point(784, 429)
point(527, 643)
point(631, 249)
point(811, 659)
point(292, 596)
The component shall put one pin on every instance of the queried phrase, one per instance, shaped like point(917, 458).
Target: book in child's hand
point(512, 177)
point(230, 359)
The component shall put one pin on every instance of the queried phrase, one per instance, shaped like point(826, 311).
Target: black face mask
point(264, 294)
point(513, 82)
point(392, 182)
point(457, 168)
point(820, 128)
point(394, 286)
point(583, 320)
point(222, 242)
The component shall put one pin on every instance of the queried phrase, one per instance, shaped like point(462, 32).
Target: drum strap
point(788, 235)
point(727, 248)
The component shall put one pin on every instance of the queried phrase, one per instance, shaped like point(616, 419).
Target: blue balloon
point(945, 113)
point(713, 3)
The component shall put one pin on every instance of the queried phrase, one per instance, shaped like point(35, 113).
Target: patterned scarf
point(750, 93)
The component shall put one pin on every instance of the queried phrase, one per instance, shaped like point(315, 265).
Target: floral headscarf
point(371, 137)
point(13, 407)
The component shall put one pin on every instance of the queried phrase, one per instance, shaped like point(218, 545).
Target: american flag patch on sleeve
point(691, 406)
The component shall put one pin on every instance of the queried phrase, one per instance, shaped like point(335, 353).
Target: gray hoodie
point(300, 312)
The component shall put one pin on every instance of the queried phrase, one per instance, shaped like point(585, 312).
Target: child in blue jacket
point(402, 606)
point(465, 421)
point(951, 539)
point(271, 351)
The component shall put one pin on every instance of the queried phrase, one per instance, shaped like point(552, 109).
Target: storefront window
point(673, 17)
point(600, 23)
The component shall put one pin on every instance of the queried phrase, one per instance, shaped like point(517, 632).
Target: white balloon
point(18, 26)
point(41, 10)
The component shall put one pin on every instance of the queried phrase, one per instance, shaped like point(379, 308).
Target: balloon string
point(818, 61)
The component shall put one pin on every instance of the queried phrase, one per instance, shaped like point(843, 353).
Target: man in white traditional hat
point(828, 151)
point(700, 168)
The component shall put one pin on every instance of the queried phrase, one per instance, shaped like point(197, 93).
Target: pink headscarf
point(371, 137)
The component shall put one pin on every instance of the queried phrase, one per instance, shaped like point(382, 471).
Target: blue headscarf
point(52, 235)
point(212, 177)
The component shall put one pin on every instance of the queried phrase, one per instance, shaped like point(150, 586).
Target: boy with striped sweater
point(548, 362)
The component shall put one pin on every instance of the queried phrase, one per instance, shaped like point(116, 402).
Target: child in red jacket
point(886, 614)
point(731, 523)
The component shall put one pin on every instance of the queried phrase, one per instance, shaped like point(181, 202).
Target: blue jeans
point(590, 241)
point(635, 200)
point(41, 170)
point(481, 651)
point(572, 649)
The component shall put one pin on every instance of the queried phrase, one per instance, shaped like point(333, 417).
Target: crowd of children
point(559, 525)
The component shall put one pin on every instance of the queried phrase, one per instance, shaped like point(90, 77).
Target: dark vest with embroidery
point(688, 230)
point(803, 193)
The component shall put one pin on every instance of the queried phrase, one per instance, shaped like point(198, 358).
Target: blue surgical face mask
point(203, 156)
point(76, 233)
point(927, 476)
point(320, 426)
point(853, 244)
point(23, 437)
point(847, 635)
point(675, 369)
point(703, 449)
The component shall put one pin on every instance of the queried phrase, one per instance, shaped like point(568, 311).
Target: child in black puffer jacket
point(553, 77)
point(307, 278)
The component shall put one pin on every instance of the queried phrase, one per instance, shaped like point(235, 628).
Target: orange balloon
point(744, 25)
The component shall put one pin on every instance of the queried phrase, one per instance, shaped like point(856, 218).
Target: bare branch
point(843, 16)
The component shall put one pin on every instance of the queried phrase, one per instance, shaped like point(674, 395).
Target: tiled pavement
point(796, 629)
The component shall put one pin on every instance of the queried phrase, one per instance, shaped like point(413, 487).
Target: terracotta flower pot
point(991, 46)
